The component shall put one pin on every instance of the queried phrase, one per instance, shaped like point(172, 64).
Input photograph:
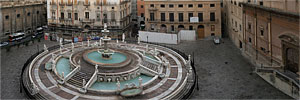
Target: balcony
point(69, 4)
point(87, 20)
point(152, 9)
point(62, 3)
point(182, 22)
point(86, 4)
point(52, 3)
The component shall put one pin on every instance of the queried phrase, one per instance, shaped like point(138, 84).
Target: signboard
point(194, 19)
point(75, 39)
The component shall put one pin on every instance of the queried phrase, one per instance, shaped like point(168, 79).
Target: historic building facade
point(89, 16)
point(271, 42)
point(232, 13)
point(272, 36)
point(172, 16)
point(21, 16)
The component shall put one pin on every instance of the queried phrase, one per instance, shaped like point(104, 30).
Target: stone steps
point(77, 79)
point(150, 66)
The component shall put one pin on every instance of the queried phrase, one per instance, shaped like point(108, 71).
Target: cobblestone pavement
point(234, 80)
point(217, 80)
point(11, 66)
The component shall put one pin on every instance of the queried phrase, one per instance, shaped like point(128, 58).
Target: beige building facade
point(232, 13)
point(89, 16)
point(172, 16)
point(22, 16)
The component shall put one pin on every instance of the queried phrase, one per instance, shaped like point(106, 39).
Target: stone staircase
point(151, 66)
point(76, 80)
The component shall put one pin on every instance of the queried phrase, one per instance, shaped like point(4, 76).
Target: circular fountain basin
point(115, 58)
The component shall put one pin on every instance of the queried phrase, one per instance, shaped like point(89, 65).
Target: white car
point(217, 40)
point(3, 44)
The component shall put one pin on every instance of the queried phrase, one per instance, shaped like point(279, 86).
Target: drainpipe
point(270, 39)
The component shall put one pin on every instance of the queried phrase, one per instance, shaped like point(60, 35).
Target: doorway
point(200, 31)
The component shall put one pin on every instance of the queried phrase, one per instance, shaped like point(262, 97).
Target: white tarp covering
point(189, 35)
point(158, 37)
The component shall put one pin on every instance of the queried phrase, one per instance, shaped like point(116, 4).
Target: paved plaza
point(223, 72)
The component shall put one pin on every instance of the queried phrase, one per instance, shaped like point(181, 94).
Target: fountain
point(109, 70)
point(106, 53)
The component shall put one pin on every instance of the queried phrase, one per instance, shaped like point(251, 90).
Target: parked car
point(217, 40)
point(3, 44)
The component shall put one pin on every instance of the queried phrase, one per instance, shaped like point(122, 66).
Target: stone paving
point(217, 80)
point(11, 66)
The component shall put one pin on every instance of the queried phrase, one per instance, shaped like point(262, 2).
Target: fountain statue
point(45, 48)
point(106, 53)
point(123, 37)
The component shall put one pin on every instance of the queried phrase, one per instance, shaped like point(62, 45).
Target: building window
point(190, 15)
point(249, 1)
point(162, 16)
point(112, 7)
point(62, 15)
point(98, 16)
point(171, 15)
point(142, 15)
point(261, 3)
point(172, 28)
point(18, 15)
point(180, 6)
point(191, 27)
point(171, 6)
point(152, 27)
point(212, 16)
point(87, 15)
point(28, 14)
point(69, 15)
point(250, 40)
point(76, 16)
point(249, 27)
point(200, 16)
point(212, 5)
point(190, 5)
point(262, 31)
point(162, 6)
point(212, 34)
point(263, 49)
point(152, 5)
point(212, 27)
point(53, 15)
point(180, 17)
point(142, 6)
point(37, 12)
point(152, 17)
point(235, 24)
point(6, 17)
point(200, 5)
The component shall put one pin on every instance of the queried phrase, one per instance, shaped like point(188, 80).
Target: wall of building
point(117, 12)
point(262, 35)
point(157, 25)
point(22, 17)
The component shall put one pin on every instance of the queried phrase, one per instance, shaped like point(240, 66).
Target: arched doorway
point(292, 60)
point(290, 52)
point(200, 31)
point(163, 28)
point(180, 27)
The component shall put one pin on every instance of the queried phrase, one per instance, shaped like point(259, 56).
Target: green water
point(63, 65)
point(113, 86)
point(116, 58)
